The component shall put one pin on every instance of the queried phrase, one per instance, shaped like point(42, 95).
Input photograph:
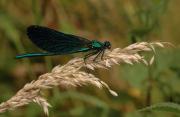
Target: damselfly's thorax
point(99, 45)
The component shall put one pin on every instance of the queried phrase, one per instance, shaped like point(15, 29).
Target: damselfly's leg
point(102, 54)
point(89, 55)
point(97, 55)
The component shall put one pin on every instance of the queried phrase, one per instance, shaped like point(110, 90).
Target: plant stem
point(149, 87)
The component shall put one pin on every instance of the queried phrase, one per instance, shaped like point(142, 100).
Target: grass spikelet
point(71, 75)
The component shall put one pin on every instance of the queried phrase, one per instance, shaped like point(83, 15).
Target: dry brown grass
point(71, 75)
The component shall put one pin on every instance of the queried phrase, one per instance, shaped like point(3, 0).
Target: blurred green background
point(122, 22)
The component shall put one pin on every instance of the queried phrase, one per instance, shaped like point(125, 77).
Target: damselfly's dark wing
point(56, 42)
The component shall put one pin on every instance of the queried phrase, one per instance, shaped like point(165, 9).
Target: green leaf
point(166, 106)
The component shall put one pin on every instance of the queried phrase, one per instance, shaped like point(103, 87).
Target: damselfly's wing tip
point(34, 32)
point(31, 28)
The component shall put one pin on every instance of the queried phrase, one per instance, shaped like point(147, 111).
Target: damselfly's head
point(107, 44)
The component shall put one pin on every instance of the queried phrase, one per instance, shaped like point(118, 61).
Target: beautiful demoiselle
point(58, 43)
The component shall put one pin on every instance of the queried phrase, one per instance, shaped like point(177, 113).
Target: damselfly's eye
point(107, 44)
